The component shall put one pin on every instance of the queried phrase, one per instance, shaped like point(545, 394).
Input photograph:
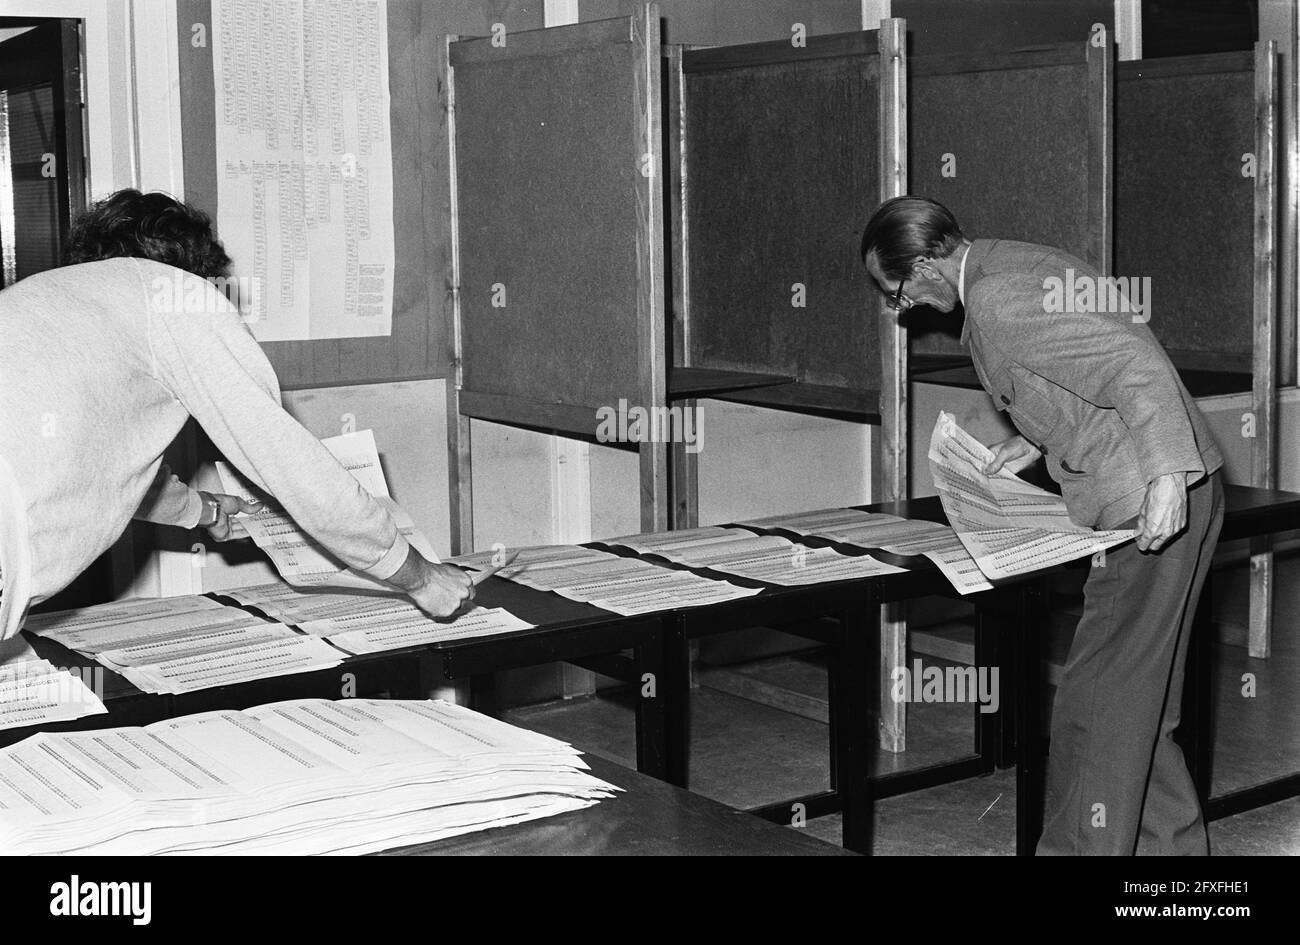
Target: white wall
point(757, 461)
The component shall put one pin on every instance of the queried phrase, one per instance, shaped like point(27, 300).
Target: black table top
point(651, 818)
point(1250, 512)
point(129, 706)
point(1247, 511)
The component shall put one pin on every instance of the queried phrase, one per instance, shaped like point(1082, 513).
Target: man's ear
point(924, 266)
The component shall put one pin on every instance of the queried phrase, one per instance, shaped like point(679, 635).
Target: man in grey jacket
point(1090, 390)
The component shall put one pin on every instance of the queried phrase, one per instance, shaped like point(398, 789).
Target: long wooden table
point(651, 818)
point(1010, 623)
point(845, 617)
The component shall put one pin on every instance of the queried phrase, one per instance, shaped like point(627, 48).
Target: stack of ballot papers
point(1008, 525)
point(294, 778)
point(34, 692)
point(767, 558)
point(621, 585)
point(888, 533)
point(298, 557)
point(180, 644)
point(371, 623)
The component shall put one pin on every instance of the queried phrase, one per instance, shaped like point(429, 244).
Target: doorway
point(42, 142)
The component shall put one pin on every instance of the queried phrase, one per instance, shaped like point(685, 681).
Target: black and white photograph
point(692, 428)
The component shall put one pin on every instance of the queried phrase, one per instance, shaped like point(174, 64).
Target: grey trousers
point(1117, 783)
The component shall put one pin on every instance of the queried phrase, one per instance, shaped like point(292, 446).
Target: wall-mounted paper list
point(305, 165)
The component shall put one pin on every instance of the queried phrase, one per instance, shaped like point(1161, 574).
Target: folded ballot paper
point(878, 531)
point(180, 644)
point(371, 623)
point(1008, 525)
point(621, 585)
point(298, 557)
point(767, 558)
point(302, 777)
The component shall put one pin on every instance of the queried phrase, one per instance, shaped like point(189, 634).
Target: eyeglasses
point(897, 302)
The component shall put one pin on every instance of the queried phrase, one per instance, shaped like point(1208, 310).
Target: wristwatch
point(211, 511)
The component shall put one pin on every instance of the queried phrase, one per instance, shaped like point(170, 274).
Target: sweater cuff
point(388, 565)
point(192, 511)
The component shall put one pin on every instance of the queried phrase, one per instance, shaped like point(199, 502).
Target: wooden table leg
point(853, 667)
point(1032, 625)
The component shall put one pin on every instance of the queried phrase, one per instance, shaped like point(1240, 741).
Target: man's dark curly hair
point(148, 226)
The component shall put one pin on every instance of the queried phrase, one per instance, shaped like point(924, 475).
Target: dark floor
point(745, 754)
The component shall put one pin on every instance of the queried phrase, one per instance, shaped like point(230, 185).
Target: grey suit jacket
point(1092, 389)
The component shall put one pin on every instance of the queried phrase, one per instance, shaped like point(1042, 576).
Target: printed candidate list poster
point(304, 164)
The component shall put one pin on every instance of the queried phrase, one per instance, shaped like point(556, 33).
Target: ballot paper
point(105, 626)
point(621, 585)
point(246, 631)
point(374, 632)
point(34, 692)
point(299, 606)
point(180, 644)
point(303, 777)
point(1009, 526)
point(370, 623)
point(274, 655)
point(888, 533)
point(298, 557)
point(767, 558)
point(114, 627)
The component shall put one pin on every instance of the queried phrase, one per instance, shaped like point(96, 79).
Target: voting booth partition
point(557, 216)
point(1018, 146)
point(732, 183)
point(1196, 197)
point(546, 334)
point(1059, 145)
point(1015, 142)
point(782, 151)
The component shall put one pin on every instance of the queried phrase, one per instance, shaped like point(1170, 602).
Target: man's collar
point(978, 249)
point(961, 275)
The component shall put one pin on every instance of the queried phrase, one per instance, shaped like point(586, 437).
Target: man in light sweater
point(1091, 390)
point(103, 361)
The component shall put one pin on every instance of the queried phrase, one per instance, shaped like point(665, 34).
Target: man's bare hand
point(1015, 453)
point(1164, 511)
point(227, 505)
point(438, 589)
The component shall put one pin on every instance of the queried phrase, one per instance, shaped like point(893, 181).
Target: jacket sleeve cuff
point(1192, 465)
